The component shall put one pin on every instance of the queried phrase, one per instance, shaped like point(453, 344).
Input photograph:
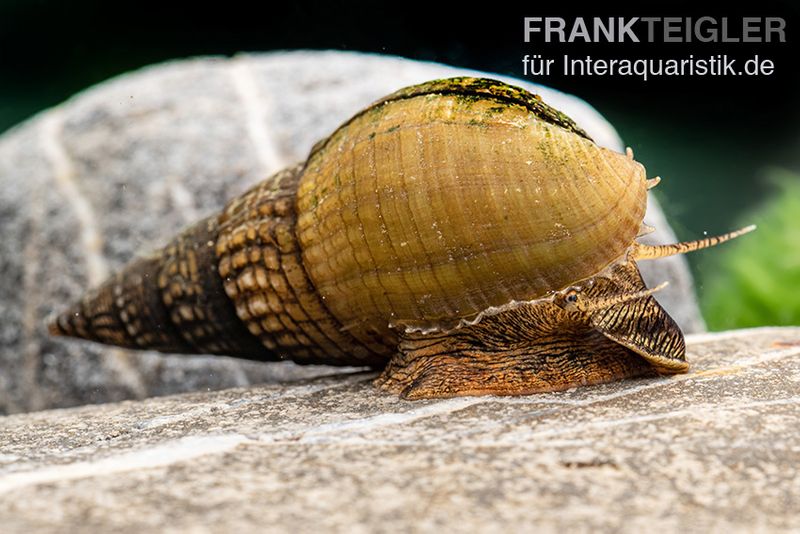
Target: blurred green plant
point(755, 280)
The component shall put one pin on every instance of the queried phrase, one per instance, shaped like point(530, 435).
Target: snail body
point(460, 234)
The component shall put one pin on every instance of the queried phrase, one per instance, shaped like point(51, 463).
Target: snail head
point(575, 299)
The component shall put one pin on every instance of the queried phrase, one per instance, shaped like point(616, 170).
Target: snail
point(460, 235)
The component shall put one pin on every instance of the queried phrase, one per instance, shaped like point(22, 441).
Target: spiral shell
point(460, 234)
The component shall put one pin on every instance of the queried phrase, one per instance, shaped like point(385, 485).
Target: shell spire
point(232, 284)
point(172, 301)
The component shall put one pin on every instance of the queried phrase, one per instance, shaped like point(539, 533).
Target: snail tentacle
point(650, 252)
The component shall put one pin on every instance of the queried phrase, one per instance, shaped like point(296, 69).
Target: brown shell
point(455, 196)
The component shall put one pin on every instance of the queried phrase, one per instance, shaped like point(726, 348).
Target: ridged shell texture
point(433, 206)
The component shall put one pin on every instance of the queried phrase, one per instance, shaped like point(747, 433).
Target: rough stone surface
point(715, 450)
point(120, 168)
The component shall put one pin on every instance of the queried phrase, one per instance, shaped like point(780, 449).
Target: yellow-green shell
point(455, 196)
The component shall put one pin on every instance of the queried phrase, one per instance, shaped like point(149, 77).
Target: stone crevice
point(91, 238)
point(64, 174)
point(255, 104)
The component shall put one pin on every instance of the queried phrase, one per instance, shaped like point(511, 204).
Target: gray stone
point(714, 450)
point(120, 168)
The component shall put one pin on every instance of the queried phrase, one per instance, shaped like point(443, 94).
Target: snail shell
point(452, 197)
point(460, 220)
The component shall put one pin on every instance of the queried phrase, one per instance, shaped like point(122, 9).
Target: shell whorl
point(233, 284)
point(263, 274)
point(434, 205)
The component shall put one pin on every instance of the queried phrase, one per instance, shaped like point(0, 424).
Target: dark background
point(713, 140)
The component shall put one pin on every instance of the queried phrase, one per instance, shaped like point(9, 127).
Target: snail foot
point(459, 364)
